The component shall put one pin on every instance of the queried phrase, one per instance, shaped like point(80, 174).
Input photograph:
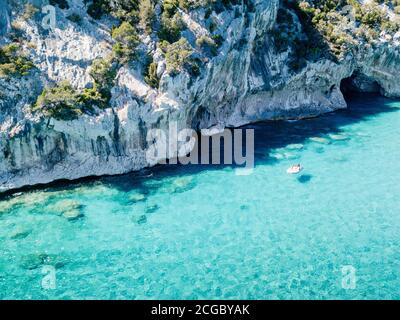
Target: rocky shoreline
point(248, 81)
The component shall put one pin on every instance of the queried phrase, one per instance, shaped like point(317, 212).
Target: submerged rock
point(69, 209)
point(183, 184)
point(320, 140)
point(277, 156)
point(152, 209)
point(340, 159)
point(171, 189)
point(35, 261)
point(136, 197)
point(291, 155)
point(73, 214)
point(31, 261)
point(6, 206)
point(338, 137)
point(20, 234)
point(29, 200)
point(140, 220)
point(319, 150)
point(179, 185)
point(281, 154)
point(295, 146)
point(54, 260)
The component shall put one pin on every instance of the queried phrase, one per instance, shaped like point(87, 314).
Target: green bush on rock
point(146, 15)
point(103, 73)
point(207, 44)
point(151, 77)
point(59, 102)
point(13, 62)
point(91, 97)
point(126, 42)
point(63, 102)
point(179, 58)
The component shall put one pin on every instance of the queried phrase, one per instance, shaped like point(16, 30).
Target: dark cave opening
point(359, 83)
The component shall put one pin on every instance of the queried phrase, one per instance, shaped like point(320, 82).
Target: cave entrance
point(359, 83)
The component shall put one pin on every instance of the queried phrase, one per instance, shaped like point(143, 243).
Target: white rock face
point(247, 82)
point(5, 21)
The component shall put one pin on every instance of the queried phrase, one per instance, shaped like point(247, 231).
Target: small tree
point(103, 73)
point(207, 44)
point(151, 77)
point(13, 62)
point(179, 58)
point(171, 27)
point(146, 15)
point(127, 41)
point(59, 102)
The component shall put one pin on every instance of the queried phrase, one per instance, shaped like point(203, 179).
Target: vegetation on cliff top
point(307, 29)
point(63, 102)
point(59, 102)
point(13, 61)
point(315, 29)
point(139, 17)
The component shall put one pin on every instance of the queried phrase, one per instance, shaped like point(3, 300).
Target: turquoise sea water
point(196, 232)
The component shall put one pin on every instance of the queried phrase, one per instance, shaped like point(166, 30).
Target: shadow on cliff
point(269, 136)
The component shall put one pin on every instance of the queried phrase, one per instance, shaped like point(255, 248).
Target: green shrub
point(151, 77)
point(91, 97)
point(63, 102)
point(171, 27)
point(171, 21)
point(170, 7)
point(59, 102)
point(179, 58)
point(372, 16)
point(97, 8)
point(103, 73)
point(127, 41)
point(218, 39)
point(391, 26)
point(125, 10)
point(207, 44)
point(13, 62)
point(146, 15)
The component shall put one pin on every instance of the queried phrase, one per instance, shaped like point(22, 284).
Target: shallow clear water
point(198, 232)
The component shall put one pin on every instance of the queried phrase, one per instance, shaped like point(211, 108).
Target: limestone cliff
point(247, 80)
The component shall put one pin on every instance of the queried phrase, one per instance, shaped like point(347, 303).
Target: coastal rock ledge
point(248, 62)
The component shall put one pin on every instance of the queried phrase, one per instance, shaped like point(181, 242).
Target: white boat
point(295, 169)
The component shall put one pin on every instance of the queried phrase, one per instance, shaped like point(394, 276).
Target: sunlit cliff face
point(84, 94)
